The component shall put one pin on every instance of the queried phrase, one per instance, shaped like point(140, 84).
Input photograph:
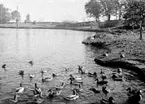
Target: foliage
point(27, 18)
point(15, 16)
point(97, 8)
point(135, 14)
point(93, 9)
point(108, 8)
point(111, 23)
point(119, 8)
point(4, 14)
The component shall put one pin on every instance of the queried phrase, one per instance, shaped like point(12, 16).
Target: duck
point(54, 75)
point(58, 92)
point(50, 94)
point(131, 91)
point(61, 86)
point(4, 66)
point(73, 96)
point(102, 72)
point(20, 89)
point(78, 79)
point(95, 90)
point(102, 82)
point(66, 69)
point(105, 90)
point(46, 79)
point(103, 77)
point(37, 91)
point(106, 54)
point(43, 71)
point(79, 69)
point(119, 71)
point(79, 89)
point(136, 98)
point(21, 73)
point(122, 55)
point(31, 63)
point(90, 74)
point(31, 76)
point(15, 98)
point(71, 77)
point(111, 100)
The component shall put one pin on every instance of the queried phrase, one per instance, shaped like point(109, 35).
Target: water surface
point(51, 50)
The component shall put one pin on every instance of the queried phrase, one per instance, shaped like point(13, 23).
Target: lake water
point(51, 50)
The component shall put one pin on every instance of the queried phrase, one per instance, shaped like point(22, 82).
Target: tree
point(135, 14)
point(27, 18)
point(97, 8)
point(15, 15)
point(108, 8)
point(93, 9)
point(119, 8)
point(4, 14)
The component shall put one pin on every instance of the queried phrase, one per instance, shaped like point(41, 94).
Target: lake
point(51, 50)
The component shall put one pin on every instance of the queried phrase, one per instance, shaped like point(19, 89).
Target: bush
point(111, 23)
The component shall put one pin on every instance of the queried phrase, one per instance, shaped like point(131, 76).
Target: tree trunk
point(109, 16)
point(120, 11)
point(140, 31)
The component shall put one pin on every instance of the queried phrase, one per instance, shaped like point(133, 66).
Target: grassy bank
point(117, 44)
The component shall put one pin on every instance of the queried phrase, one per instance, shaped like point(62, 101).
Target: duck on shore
point(102, 72)
point(20, 89)
point(122, 55)
point(106, 54)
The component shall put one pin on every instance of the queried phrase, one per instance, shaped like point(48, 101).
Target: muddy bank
point(117, 44)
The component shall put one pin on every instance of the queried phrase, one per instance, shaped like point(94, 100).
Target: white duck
point(31, 76)
point(20, 89)
point(73, 96)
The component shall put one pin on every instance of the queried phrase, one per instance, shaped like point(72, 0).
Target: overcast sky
point(49, 10)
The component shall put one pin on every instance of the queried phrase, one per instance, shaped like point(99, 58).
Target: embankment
point(130, 46)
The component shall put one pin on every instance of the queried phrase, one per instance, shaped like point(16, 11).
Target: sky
point(49, 10)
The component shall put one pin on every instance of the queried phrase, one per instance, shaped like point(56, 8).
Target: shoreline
point(133, 49)
point(42, 26)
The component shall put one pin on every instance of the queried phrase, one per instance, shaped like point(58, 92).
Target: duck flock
point(100, 80)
